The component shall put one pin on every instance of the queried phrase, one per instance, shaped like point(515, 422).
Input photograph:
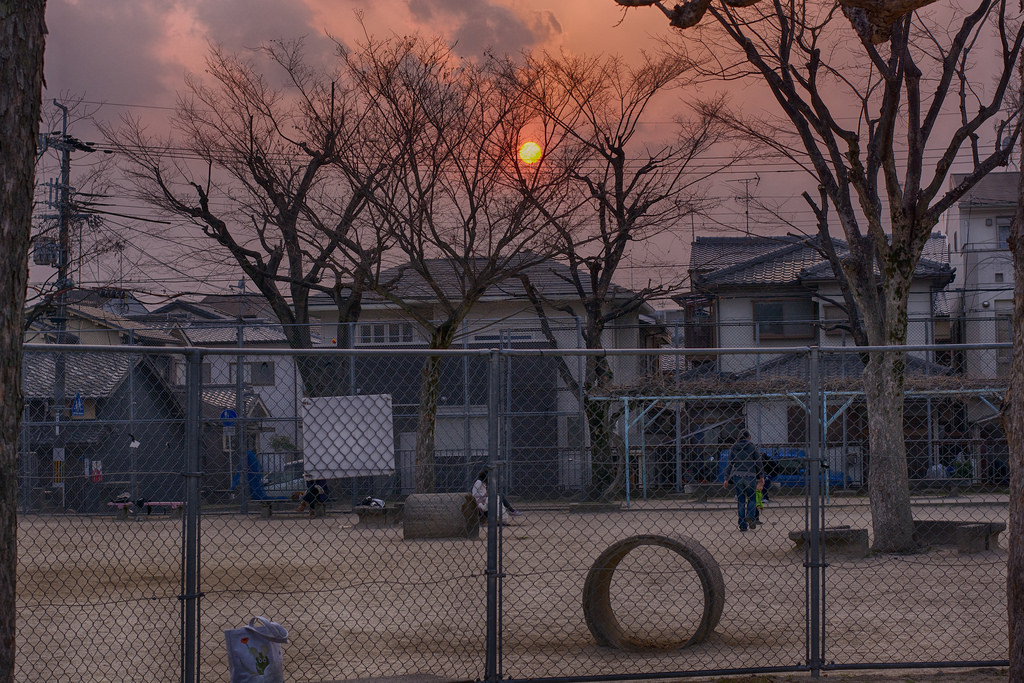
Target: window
point(204, 374)
point(380, 334)
point(258, 373)
point(1003, 225)
point(784, 319)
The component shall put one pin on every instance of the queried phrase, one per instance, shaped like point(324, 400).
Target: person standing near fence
point(745, 470)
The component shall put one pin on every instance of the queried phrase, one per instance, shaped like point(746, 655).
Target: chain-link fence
point(338, 493)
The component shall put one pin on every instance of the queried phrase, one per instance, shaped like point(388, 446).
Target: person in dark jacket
point(316, 494)
point(745, 470)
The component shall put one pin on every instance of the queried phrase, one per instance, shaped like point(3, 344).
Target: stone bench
point(583, 508)
point(951, 486)
point(440, 515)
point(701, 492)
point(371, 517)
point(841, 539)
point(966, 537)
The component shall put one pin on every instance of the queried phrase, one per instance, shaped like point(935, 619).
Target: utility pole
point(240, 426)
point(61, 201)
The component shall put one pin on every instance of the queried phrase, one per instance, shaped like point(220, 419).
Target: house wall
point(984, 283)
point(281, 398)
point(142, 409)
point(767, 422)
point(737, 328)
point(920, 325)
point(91, 333)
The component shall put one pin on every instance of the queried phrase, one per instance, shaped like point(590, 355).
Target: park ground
point(905, 676)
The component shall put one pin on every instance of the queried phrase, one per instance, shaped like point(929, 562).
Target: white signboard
point(348, 436)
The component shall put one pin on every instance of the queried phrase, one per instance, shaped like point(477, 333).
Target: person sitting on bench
point(316, 494)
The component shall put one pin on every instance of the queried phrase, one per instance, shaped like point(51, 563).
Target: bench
point(267, 507)
point(966, 537)
point(371, 517)
point(840, 539)
point(122, 508)
point(173, 506)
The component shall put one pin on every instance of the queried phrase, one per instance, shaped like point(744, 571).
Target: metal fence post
point(240, 424)
point(814, 561)
point(190, 594)
point(493, 509)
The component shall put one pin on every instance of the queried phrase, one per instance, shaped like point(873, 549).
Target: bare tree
point(459, 226)
point(884, 170)
point(256, 170)
point(22, 37)
point(620, 190)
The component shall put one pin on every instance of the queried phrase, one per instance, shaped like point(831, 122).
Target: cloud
point(485, 24)
point(106, 49)
point(241, 24)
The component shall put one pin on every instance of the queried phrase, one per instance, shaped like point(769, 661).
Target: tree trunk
point(607, 465)
point(426, 427)
point(888, 483)
point(22, 32)
point(1013, 427)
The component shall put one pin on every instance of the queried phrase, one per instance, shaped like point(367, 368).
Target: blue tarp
point(785, 466)
point(256, 490)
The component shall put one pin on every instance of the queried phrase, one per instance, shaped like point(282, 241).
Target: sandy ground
point(987, 675)
point(98, 597)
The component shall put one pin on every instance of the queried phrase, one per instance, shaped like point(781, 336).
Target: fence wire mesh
point(336, 497)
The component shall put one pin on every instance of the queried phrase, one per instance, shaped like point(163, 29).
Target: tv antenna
point(746, 196)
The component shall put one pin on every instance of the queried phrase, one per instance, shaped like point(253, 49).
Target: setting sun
point(529, 152)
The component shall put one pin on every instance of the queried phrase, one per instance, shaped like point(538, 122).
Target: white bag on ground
point(254, 652)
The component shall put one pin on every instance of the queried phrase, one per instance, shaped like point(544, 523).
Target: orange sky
point(132, 57)
point(135, 53)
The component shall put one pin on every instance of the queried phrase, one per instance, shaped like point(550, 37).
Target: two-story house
point(773, 292)
point(981, 309)
point(982, 292)
point(543, 424)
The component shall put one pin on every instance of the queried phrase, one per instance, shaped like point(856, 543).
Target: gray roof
point(717, 253)
point(250, 305)
point(138, 331)
point(553, 279)
point(188, 310)
point(833, 366)
point(218, 399)
point(93, 375)
point(782, 261)
point(994, 189)
point(111, 299)
point(202, 334)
